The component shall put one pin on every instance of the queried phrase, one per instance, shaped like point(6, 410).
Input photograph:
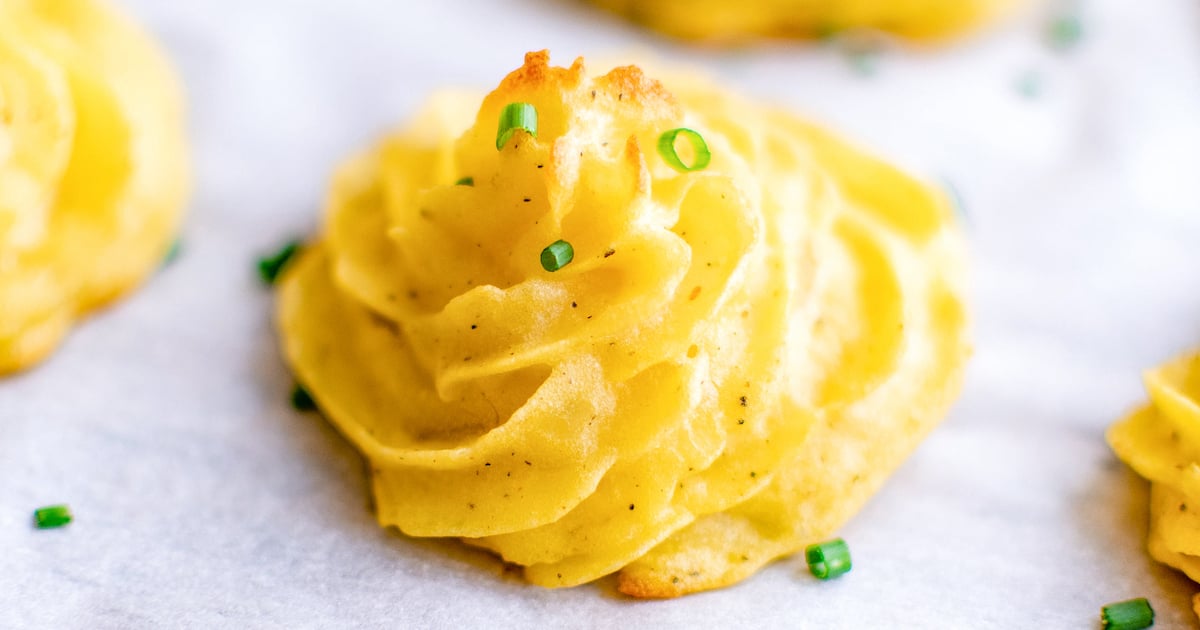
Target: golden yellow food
point(732, 363)
point(720, 20)
point(93, 169)
point(1161, 441)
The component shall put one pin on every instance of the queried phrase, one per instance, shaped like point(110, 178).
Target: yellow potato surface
point(93, 170)
point(721, 20)
point(732, 363)
point(1161, 441)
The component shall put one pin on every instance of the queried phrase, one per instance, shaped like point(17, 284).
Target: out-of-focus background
point(203, 500)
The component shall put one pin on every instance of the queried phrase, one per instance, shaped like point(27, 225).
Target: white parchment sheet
point(202, 500)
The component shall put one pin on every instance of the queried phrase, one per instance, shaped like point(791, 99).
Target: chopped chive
point(302, 400)
point(666, 148)
point(826, 31)
point(557, 255)
point(862, 50)
point(516, 116)
point(52, 516)
point(1029, 85)
point(466, 181)
point(270, 267)
point(864, 62)
point(173, 253)
point(1064, 31)
point(956, 199)
point(1133, 614)
point(829, 559)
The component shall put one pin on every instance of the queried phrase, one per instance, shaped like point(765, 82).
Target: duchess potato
point(719, 20)
point(93, 169)
point(734, 359)
point(1161, 441)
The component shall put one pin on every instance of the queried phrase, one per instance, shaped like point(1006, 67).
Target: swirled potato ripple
point(719, 20)
point(732, 363)
point(93, 169)
point(1161, 441)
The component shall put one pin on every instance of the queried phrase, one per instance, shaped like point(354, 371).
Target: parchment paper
point(203, 500)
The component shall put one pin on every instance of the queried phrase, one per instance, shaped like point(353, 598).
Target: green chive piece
point(826, 32)
point(557, 255)
point(173, 253)
point(956, 199)
point(1065, 31)
point(864, 62)
point(1029, 85)
point(270, 267)
point(516, 116)
point(466, 181)
point(302, 400)
point(666, 148)
point(829, 559)
point(52, 516)
point(1133, 614)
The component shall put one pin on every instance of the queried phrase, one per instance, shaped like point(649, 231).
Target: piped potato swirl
point(732, 362)
point(722, 22)
point(93, 168)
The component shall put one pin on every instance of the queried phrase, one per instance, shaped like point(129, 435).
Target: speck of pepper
point(674, 579)
point(541, 166)
point(471, 505)
point(593, 93)
point(741, 421)
point(741, 400)
point(609, 252)
point(527, 463)
point(631, 506)
point(526, 199)
point(474, 326)
point(574, 305)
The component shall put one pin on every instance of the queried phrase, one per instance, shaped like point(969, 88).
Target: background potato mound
point(1161, 441)
point(720, 20)
point(93, 168)
point(732, 364)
